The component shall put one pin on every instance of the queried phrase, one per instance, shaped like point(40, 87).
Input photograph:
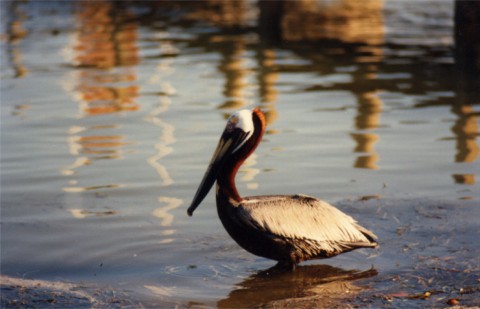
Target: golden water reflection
point(466, 130)
point(103, 80)
point(16, 32)
point(234, 68)
point(106, 54)
point(307, 286)
point(222, 13)
point(267, 79)
point(88, 147)
point(106, 78)
point(350, 20)
point(107, 35)
point(368, 118)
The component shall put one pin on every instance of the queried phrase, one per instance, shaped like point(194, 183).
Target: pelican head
point(237, 142)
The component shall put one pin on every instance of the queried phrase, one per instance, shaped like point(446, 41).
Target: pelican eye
point(232, 123)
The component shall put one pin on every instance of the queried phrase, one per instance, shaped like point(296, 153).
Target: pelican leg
point(285, 265)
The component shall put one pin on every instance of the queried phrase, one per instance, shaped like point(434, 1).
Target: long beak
point(229, 142)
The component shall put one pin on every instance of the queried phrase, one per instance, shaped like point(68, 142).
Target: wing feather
point(304, 217)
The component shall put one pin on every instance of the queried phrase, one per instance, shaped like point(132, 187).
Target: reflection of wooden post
point(106, 39)
point(346, 20)
point(16, 32)
point(467, 50)
point(466, 131)
point(233, 67)
point(368, 118)
point(267, 78)
point(467, 63)
point(270, 18)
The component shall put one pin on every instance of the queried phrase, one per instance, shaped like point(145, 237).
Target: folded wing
point(305, 218)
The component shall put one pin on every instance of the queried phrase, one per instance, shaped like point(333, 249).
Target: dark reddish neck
point(226, 177)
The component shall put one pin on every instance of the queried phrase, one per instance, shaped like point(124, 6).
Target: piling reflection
point(267, 79)
point(235, 70)
point(88, 145)
point(306, 286)
point(367, 119)
point(349, 20)
point(15, 34)
point(466, 131)
point(105, 52)
point(222, 13)
point(106, 36)
point(467, 67)
point(103, 55)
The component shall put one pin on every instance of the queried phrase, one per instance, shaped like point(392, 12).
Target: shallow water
point(110, 113)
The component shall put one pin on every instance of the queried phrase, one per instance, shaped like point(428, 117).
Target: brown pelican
point(286, 228)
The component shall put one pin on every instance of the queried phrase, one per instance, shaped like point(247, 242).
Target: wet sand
point(428, 255)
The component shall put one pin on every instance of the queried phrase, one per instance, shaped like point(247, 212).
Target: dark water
point(110, 112)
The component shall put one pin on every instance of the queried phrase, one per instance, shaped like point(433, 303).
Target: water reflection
point(166, 217)
point(16, 32)
point(349, 20)
point(267, 79)
point(163, 147)
point(467, 51)
point(315, 283)
point(367, 119)
point(83, 213)
point(88, 145)
point(360, 28)
point(107, 34)
point(234, 68)
point(466, 131)
point(467, 67)
point(105, 52)
point(228, 14)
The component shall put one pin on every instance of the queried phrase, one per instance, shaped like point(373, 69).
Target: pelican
point(286, 228)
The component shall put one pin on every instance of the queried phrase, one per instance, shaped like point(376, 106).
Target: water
point(110, 113)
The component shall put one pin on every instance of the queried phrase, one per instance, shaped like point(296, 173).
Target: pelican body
point(286, 228)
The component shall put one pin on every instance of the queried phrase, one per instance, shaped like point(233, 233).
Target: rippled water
point(110, 112)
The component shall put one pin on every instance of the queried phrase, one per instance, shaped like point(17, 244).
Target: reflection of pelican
point(312, 282)
point(285, 228)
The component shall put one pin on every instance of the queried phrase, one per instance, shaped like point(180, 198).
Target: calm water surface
point(110, 113)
